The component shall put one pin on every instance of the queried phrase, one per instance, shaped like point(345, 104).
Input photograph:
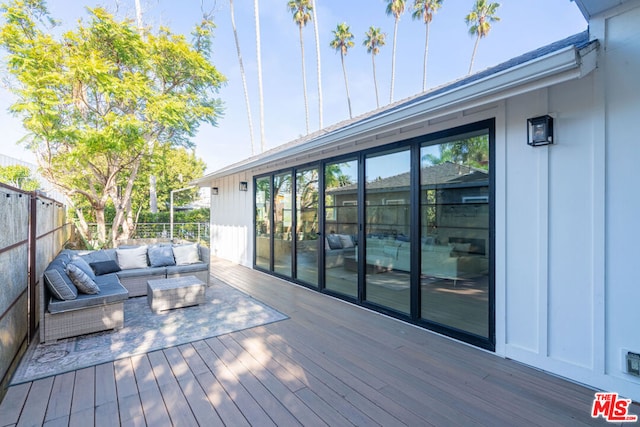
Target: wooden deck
point(330, 363)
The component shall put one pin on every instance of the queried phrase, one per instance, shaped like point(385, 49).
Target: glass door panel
point(307, 226)
point(282, 223)
point(454, 209)
point(387, 230)
point(263, 223)
point(341, 227)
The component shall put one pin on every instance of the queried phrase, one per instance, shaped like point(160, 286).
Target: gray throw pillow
point(334, 241)
point(59, 284)
point(105, 267)
point(161, 256)
point(83, 265)
point(84, 283)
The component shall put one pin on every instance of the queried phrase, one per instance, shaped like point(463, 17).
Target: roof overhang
point(563, 65)
point(591, 8)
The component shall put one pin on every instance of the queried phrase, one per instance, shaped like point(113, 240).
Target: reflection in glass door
point(341, 227)
point(282, 223)
point(307, 225)
point(455, 224)
point(263, 222)
point(388, 230)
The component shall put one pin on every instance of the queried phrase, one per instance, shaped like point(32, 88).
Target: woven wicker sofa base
point(84, 321)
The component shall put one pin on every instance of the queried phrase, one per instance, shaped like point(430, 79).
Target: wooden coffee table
point(177, 292)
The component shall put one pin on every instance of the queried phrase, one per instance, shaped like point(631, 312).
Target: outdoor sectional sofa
point(69, 308)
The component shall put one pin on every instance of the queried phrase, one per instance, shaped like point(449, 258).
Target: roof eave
point(556, 67)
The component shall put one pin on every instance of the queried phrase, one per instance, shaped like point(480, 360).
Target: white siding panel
point(571, 225)
point(523, 263)
point(231, 220)
point(622, 69)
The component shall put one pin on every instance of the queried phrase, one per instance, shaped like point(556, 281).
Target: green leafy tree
point(19, 176)
point(101, 99)
point(479, 21)
point(301, 10)
point(342, 42)
point(472, 152)
point(425, 9)
point(374, 39)
point(395, 8)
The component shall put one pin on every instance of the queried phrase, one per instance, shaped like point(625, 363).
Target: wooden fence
point(33, 229)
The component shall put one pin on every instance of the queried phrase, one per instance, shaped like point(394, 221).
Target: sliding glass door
point(404, 229)
point(282, 223)
point(307, 225)
point(388, 230)
point(455, 241)
point(263, 222)
point(341, 227)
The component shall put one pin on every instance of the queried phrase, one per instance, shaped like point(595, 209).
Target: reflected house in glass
point(526, 251)
point(454, 221)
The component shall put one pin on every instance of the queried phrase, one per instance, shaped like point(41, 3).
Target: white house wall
point(232, 220)
point(571, 293)
point(621, 68)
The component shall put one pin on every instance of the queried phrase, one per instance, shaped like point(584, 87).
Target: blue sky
point(524, 26)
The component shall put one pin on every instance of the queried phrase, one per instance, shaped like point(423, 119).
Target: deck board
point(330, 363)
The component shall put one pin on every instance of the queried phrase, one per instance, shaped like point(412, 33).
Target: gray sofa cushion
point(59, 284)
point(96, 256)
point(190, 268)
point(110, 291)
point(138, 272)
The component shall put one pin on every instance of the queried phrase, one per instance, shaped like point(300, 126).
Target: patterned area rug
point(227, 310)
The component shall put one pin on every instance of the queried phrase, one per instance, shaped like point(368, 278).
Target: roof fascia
point(556, 67)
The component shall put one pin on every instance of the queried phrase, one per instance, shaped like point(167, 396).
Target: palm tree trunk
point(473, 55)
point(256, 11)
point(424, 66)
point(315, 29)
point(346, 84)
point(304, 82)
point(393, 60)
point(375, 81)
point(243, 76)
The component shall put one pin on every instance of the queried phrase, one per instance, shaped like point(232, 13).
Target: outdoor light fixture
point(244, 186)
point(214, 191)
point(540, 131)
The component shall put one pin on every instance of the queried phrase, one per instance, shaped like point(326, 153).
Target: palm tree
point(375, 38)
point(301, 15)
point(479, 19)
point(343, 40)
point(395, 8)
point(425, 9)
point(319, 68)
point(256, 12)
point(244, 77)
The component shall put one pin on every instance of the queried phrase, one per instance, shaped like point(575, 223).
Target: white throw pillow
point(186, 254)
point(132, 258)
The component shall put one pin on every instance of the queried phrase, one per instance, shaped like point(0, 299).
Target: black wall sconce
point(214, 191)
point(244, 186)
point(540, 131)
